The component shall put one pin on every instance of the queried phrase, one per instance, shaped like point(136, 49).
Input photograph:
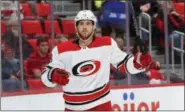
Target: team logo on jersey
point(86, 68)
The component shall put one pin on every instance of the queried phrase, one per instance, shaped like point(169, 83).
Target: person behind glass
point(141, 50)
point(121, 77)
point(39, 58)
point(115, 73)
point(10, 71)
point(62, 38)
point(120, 43)
point(11, 39)
point(9, 9)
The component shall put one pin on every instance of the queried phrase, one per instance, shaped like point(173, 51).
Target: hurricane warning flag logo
point(86, 68)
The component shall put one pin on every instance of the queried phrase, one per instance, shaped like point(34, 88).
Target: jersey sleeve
point(55, 63)
point(121, 60)
point(117, 55)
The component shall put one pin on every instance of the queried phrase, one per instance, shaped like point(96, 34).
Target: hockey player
point(82, 66)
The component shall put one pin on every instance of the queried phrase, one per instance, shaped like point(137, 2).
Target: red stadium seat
point(48, 27)
point(43, 9)
point(31, 27)
point(27, 12)
point(3, 27)
point(35, 84)
point(179, 8)
point(25, 66)
point(68, 26)
point(33, 43)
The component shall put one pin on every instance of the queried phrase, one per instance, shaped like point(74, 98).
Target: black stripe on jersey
point(123, 61)
point(50, 71)
point(43, 71)
point(89, 101)
point(50, 74)
point(49, 67)
point(70, 93)
point(126, 64)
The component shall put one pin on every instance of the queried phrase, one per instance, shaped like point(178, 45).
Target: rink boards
point(145, 97)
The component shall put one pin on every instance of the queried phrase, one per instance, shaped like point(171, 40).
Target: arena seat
point(27, 12)
point(42, 9)
point(179, 8)
point(31, 27)
point(33, 43)
point(35, 84)
point(48, 27)
point(68, 26)
point(3, 26)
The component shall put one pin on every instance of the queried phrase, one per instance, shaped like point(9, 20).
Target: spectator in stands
point(72, 36)
point(111, 17)
point(120, 43)
point(116, 74)
point(150, 7)
point(36, 1)
point(174, 23)
point(39, 58)
point(9, 9)
point(140, 49)
point(11, 39)
point(122, 78)
point(10, 72)
point(23, 1)
point(62, 38)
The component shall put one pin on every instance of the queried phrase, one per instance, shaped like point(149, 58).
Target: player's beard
point(81, 36)
point(85, 42)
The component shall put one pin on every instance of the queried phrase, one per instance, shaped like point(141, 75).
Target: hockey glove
point(60, 77)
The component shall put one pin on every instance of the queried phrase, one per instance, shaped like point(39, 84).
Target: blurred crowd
point(34, 48)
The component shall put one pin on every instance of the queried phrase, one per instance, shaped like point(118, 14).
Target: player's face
point(85, 28)
point(44, 47)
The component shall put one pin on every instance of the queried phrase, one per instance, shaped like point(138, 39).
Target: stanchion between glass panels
point(142, 29)
point(181, 50)
point(0, 55)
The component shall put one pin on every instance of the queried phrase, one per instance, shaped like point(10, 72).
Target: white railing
point(149, 30)
point(181, 50)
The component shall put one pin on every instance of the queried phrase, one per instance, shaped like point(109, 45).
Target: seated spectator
point(120, 43)
point(155, 77)
point(149, 7)
point(116, 74)
point(62, 38)
point(122, 77)
point(112, 17)
point(10, 72)
point(9, 9)
point(41, 1)
point(11, 40)
point(174, 23)
point(71, 36)
point(38, 59)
